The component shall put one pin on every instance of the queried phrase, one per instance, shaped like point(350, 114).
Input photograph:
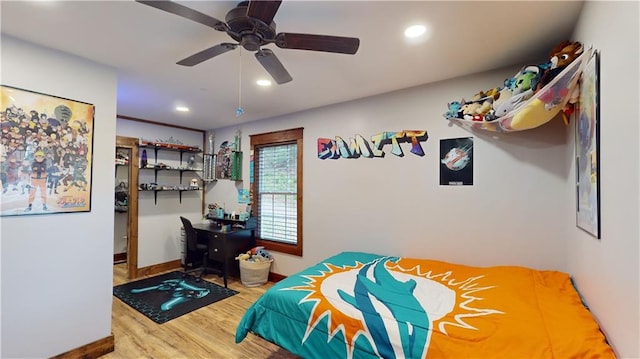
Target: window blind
point(277, 193)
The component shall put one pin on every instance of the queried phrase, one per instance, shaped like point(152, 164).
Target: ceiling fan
point(251, 25)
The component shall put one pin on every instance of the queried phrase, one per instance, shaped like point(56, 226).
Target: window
point(277, 190)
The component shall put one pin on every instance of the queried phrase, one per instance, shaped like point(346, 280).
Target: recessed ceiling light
point(182, 109)
point(263, 83)
point(415, 31)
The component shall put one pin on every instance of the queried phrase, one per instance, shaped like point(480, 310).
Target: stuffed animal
point(503, 96)
point(263, 254)
point(482, 104)
point(512, 103)
point(560, 57)
point(509, 83)
point(255, 250)
point(526, 79)
point(243, 256)
point(493, 93)
point(479, 104)
point(485, 106)
point(258, 254)
point(516, 91)
point(470, 108)
point(454, 110)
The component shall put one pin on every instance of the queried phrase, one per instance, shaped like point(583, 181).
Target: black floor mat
point(170, 295)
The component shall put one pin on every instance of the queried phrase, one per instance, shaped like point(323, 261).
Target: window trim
point(280, 138)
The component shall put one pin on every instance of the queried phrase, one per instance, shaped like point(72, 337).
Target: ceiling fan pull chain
point(240, 110)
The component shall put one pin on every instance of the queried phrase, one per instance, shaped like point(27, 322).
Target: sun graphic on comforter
point(393, 303)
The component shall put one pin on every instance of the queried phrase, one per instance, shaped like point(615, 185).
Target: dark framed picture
point(224, 161)
point(587, 145)
point(456, 162)
point(46, 153)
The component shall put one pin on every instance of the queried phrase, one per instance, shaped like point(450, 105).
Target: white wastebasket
point(254, 274)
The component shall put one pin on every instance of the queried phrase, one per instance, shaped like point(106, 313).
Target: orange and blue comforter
point(361, 305)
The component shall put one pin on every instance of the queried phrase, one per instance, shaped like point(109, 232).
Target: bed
point(363, 305)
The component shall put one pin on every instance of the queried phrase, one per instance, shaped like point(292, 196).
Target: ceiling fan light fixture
point(182, 109)
point(251, 25)
point(250, 42)
point(414, 31)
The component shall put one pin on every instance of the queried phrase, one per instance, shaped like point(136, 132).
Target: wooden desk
point(224, 247)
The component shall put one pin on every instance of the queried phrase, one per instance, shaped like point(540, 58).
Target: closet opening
point(125, 245)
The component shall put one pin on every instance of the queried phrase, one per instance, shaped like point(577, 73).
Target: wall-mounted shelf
point(182, 150)
point(158, 168)
point(155, 192)
point(171, 147)
point(541, 108)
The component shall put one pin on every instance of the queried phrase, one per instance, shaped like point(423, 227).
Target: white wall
point(57, 272)
point(159, 223)
point(511, 215)
point(607, 270)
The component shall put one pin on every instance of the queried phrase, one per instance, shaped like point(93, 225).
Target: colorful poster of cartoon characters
point(45, 154)
point(456, 161)
point(587, 152)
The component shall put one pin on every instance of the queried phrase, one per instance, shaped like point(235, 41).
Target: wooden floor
point(208, 332)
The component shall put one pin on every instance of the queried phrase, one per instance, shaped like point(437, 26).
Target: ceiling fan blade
point(273, 66)
point(338, 44)
point(264, 11)
point(205, 55)
point(181, 10)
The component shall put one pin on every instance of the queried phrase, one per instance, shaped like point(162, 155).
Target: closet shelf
point(156, 190)
point(541, 108)
point(169, 147)
point(168, 190)
point(172, 169)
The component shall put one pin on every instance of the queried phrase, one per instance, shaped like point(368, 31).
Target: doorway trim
point(132, 204)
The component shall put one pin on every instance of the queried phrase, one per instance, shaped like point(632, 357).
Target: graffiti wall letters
point(359, 147)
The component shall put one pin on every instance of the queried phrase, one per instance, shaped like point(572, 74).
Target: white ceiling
point(144, 44)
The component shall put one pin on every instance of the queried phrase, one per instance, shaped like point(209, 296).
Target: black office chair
point(193, 250)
